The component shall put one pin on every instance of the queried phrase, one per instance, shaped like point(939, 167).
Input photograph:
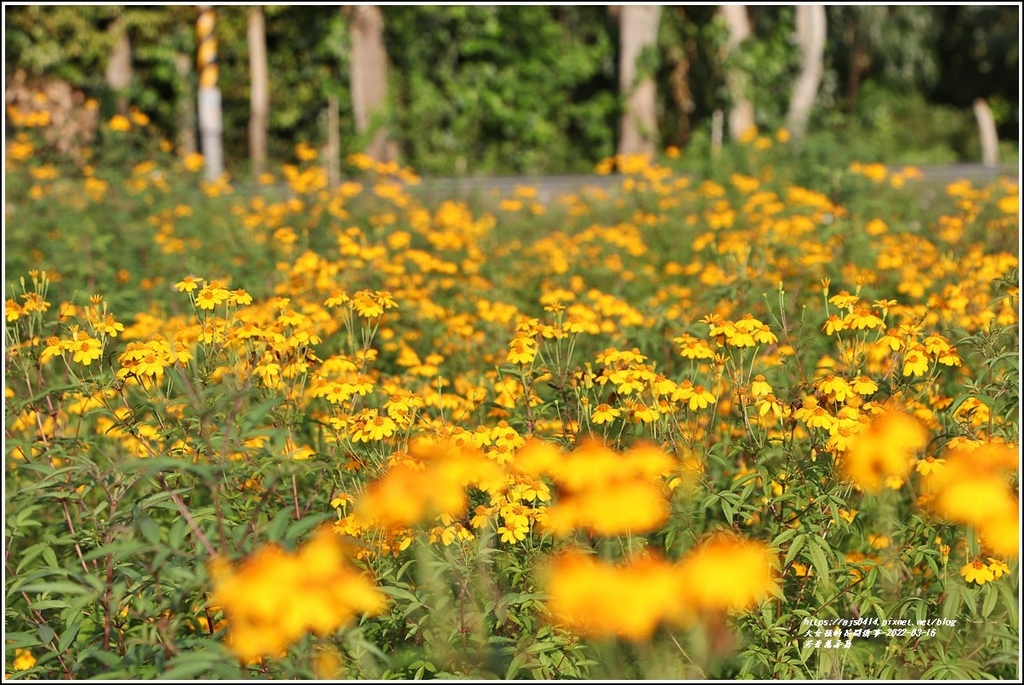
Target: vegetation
point(760, 422)
point(501, 90)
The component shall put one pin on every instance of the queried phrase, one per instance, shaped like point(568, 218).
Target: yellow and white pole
point(210, 118)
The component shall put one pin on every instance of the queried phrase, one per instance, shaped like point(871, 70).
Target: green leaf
point(727, 510)
point(58, 586)
point(951, 607)
point(298, 528)
point(989, 603)
point(46, 634)
point(50, 557)
point(149, 529)
point(515, 666)
point(189, 665)
point(818, 559)
point(540, 647)
point(31, 553)
point(69, 635)
point(798, 543)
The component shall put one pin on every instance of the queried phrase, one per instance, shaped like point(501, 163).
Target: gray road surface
point(551, 187)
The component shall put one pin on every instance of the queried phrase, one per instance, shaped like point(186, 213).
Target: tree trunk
point(369, 78)
point(186, 106)
point(259, 103)
point(638, 128)
point(211, 119)
point(332, 149)
point(810, 35)
point(741, 115)
point(860, 60)
point(987, 131)
point(119, 67)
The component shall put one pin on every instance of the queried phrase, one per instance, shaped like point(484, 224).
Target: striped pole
point(210, 118)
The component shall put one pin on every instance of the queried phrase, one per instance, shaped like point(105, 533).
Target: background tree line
point(530, 89)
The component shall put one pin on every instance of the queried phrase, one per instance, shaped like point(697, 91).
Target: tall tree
point(810, 35)
point(186, 119)
point(638, 31)
point(741, 115)
point(369, 78)
point(211, 126)
point(119, 66)
point(895, 43)
point(259, 98)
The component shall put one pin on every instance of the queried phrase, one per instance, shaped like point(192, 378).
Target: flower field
point(729, 427)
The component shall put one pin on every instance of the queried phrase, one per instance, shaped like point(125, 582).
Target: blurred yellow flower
point(883, 449)
point(728, 572)
point(273, 597)
point(23, 660)
point(602, 600)
point(119, 123)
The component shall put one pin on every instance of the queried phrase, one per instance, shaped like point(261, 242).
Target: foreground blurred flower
point(974, 489)
point(601, 600)
point(431, 481)
point(274, 597)
point(884, 449)
point(607, 492)
point(598, 599)
point(728, 572)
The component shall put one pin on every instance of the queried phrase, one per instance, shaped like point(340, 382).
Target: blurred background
point(490, 90)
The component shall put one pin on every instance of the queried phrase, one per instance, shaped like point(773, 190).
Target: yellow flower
point(977, 572)
point(879, 541)
point(374, 427)
point(863, 318)
point(336, 299)
point(771, 404)
point(929, 465)
point(848, 516)
point(862, 385)
point(801, 570)
point(522, 350)
point(601, 600)
point(998, 568)
point(883, 450)
point(844, 300)
point(274, 597)
point(915, 363)
point(119, 123)
point(23, 660)
point(641, 413)
point(834, 324)
point(209, 297)
point(86, 349)
point(837, 388)
point(727, 572)
point(516, 531)
point(701, 398)
point(604, 413)
point(53, 348)
point(759, 387)
point(193, 161)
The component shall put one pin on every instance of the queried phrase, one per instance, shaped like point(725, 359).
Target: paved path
point(550, 187)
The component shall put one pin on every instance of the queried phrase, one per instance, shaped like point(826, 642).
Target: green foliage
point(486, 89)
